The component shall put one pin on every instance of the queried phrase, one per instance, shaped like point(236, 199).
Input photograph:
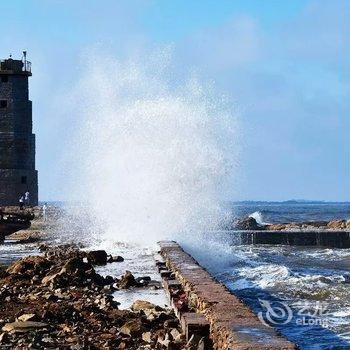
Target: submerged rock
point(113, 259)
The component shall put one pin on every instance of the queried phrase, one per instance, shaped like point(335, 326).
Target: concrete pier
point(208, 310)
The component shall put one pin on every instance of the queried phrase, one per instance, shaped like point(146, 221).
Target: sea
point(303, 292)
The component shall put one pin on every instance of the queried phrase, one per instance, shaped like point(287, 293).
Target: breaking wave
point(153, 154)
point(257, 215)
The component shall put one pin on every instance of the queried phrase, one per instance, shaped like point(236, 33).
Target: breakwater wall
point(319, 238)
point(207, 309)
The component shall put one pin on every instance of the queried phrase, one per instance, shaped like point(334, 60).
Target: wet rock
point(109, 279)
point(142, 305)
point(154, 284)
point(43, 247)
point(127, 281)
point(115, 259)
point(29, 264)
point(97, 257)
point(247, 224)
point(76, 265)
point(26, 326)
point(133, 328)
point(143, 281)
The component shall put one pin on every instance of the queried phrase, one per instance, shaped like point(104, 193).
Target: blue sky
point(285, 64)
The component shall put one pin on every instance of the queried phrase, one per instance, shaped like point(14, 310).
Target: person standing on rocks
point(44, 212)
point(21, 203)
point(27, 198)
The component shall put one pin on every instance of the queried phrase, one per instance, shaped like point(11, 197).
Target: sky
point(284, 64)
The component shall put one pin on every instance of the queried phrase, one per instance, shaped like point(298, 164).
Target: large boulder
point(248, 223)
point(127, 280)
point(97, 257)
point(35, 264)
point(76, 265)
point(74, 271)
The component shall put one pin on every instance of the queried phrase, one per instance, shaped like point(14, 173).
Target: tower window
point(4, 78)
point(24, 180)
point(3, 103)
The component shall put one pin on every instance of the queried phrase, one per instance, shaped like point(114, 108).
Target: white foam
point(257, 215)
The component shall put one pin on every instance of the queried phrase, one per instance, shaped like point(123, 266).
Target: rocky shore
point(57, 300)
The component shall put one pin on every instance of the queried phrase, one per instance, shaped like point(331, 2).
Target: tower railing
point(16, 65)
point(27, 66)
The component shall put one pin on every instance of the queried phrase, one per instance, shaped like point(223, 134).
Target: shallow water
point(140, 261)
point(10, 251)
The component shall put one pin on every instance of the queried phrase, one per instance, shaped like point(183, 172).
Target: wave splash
point(258, 216)
point(152, 156)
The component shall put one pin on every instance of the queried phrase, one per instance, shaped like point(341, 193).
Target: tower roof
point(11, 66)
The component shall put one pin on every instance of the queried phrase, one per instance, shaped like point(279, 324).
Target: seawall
point(318, 238)
point(212, 309)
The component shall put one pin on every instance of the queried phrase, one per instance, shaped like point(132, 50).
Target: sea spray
point(152, 155)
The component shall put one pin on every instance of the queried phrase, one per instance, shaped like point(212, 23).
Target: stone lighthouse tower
point(17, 141)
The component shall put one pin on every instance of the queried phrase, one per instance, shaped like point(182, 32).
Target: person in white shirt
point(26, 198)
point(44, 211)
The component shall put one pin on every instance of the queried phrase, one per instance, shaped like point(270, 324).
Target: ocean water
point(292, 211)
point(304, 292)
